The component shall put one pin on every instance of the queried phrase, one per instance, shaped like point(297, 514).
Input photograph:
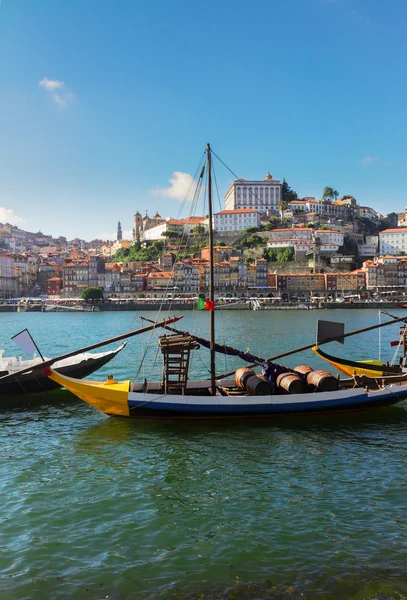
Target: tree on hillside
point(279, 255)
point(92, 293)
point(198, 230)
point(170, 234)
point(287, 193)
point(282, 206)
point(330, 193)
point(252, 230)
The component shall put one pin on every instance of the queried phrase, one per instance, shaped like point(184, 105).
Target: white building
point(298, 245)
point(329, 236)
point(236, 220)
point(181, 226)
point(393, 241)
point(262, 196)
point(291, 233)
point(154, 233)
point(303, 238)
point(370, 247)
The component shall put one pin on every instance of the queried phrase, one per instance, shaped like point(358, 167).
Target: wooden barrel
point(291, 383)
point(324, 381)
point(242, 375)
point(303, 369)
point(258, 386)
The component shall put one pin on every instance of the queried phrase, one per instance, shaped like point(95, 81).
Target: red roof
point(186, 221)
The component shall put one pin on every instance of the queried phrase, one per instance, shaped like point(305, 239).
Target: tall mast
point(211, 266)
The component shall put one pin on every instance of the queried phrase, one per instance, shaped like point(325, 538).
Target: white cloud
point(57, 89)
point(180, 188)
point(50, 84)
point(369, 160)
point(64, 99)
point(7, 215)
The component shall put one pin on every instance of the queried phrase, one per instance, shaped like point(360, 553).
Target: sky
point(106, 105)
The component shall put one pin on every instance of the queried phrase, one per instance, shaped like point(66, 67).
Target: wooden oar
point(51, 361)
point(309, 346)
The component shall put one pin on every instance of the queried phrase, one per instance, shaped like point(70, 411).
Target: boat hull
point(359, 368)
point(116, 400)
point(36, 382)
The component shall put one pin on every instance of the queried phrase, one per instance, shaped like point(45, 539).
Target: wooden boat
point(278, 391)
point(34, 380)
point(121, 400)
point(369, 368)
point(366, 368)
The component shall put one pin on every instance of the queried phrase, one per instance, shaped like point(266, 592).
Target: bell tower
point(137, 226)
point(119, 232)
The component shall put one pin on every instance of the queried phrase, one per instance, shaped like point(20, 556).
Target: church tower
point(137, 226)
point(119, 232)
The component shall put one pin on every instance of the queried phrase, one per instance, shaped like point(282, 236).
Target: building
point(160, 281)
point(8, 280)
point(220, 253)
point(119, 235)
point(263, 196)
point(142, 224)
point(393, 241)
point(236, 220)
point(329, 237)
point(54, 286)
point(370, 247)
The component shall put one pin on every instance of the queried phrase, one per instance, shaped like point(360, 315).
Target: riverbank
point(187, 306)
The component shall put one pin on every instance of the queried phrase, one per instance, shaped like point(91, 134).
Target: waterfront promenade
point(187, 306)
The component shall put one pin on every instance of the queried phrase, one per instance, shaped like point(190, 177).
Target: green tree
point(330, 193)
point(92, 293)
point(287, 194)
point(252, 230)
point(170, 234)
point(282, 206)
point(198, 230)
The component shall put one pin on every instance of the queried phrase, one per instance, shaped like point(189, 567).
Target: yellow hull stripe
point(109, 398)
point(349, 370)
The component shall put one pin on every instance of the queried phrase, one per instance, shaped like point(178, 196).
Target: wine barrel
point(258, 386)
point(242, 375)
point(324, 381)
point(291, 383)
point(303, 369)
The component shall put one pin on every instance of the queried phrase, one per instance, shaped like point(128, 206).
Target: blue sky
point(102, 101)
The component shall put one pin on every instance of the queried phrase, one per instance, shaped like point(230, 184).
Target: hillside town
point(269, 244)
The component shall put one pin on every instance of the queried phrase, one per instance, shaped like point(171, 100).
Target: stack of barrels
point(255, 385)
point(300, 380)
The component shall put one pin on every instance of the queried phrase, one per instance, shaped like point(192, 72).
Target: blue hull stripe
point(334, 404)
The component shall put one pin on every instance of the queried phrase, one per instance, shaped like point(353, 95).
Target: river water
point(94, 507)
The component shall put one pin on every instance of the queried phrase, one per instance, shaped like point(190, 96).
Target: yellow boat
point(362, 368)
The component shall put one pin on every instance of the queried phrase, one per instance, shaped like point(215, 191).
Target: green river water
point(94, 507)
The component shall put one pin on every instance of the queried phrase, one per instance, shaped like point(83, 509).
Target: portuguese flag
point(205, 303)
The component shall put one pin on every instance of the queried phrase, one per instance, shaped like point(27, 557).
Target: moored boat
point(123, 400)
point(278, 391)
point(34, 381)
